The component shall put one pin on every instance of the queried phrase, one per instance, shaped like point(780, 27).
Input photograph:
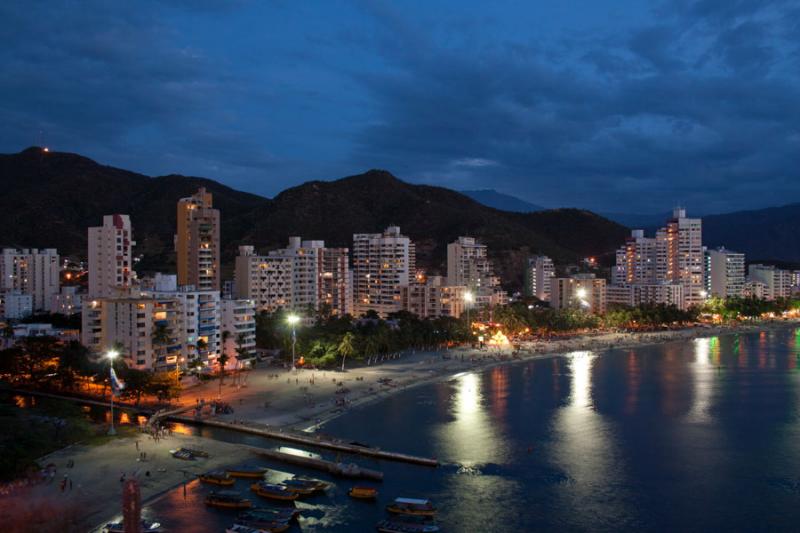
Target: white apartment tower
point(540, 271)
point(680, 255)
point(582, 291)
point(239, 321)
point(111, 257)
point(468, 265)
point(32, 272)
point(725, 276)
point(302, 276)
point(382, 263)
point(777, 283)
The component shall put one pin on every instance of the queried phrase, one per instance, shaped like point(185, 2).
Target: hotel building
point(382, 264)
point(197, 241)
point(32, 272)
point(724, 273)
point(111, 257)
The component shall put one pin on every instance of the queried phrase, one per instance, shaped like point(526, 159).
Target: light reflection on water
point(701, 435)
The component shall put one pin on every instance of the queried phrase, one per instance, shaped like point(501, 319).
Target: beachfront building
point(303, 276)
point(111, 257)
point(754, 289)
point(239, 330)
point(145, 328)
point(538, 275)
point(67, 302)
point(724, 273)
point(777, 282)
point(198, 321)
point(468, 265)
point(382, 264)
point(197, 243)
point(581, 291)
point(15, 305)
point(675, 256)
point(433, 296)
point(641, 294)
point(32, 272)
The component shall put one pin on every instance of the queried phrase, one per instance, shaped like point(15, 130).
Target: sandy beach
point(306, 399)
point(96, 487)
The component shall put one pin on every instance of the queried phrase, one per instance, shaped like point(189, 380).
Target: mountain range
point(50, 199)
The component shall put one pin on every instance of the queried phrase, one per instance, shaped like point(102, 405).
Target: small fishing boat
point(182, 454)
point(195, 452)
point(412, 507)
point(264, 524)
point(361, 492)
point(304, 486)
point(254, 473)
point(217, 478)
point(227, 499)
point(273, 492)
point(147, 527)
point(271, 513)
point(393, 526)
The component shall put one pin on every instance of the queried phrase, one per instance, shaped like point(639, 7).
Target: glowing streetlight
point(112, 354)
point(468, 299)
point(703, 294)
point(581, 293)
point(292, 320)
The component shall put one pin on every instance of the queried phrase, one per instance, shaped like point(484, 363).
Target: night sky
point(627, 106)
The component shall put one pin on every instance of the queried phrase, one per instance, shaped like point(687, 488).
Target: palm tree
point(346, 347)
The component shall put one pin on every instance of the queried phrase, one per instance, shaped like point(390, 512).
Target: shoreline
point(296, 406)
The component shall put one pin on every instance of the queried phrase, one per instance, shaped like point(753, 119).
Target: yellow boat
point(273, 492)
point(228, 500)
point(258, 473)
point(363, 493)
point(217, 478)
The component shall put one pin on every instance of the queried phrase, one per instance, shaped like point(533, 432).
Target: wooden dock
point(309, 440)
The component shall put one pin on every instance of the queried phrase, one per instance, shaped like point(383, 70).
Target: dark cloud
point(628, 109)
point(700, 107)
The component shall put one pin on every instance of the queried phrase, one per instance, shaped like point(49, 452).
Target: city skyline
point(591, 106)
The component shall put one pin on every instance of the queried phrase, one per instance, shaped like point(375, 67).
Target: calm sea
point(699, 435)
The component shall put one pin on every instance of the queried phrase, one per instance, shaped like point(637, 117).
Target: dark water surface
point(699, 435)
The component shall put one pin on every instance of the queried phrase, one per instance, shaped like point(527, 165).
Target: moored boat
point(412, 507)
point(228, 500)
point(249, 473)
point(305, 486)
point(147, 527)
point(363, 493)
point(217, 478)
point(269, 513)
point(194, 451)
point(273, 526)
point(395, 526)
point(273, 491)
point(182, 454)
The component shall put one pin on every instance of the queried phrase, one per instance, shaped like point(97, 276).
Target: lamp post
point(468, 299)
point(292, 320)
point(111, 354)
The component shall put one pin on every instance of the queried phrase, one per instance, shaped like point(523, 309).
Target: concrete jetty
point(337, 469)
point(309, 440)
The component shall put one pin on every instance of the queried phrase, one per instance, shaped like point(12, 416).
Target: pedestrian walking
point(137, 445)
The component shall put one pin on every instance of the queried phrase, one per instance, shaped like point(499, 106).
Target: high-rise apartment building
point(197, 324)
point(430, 297)
point(238, 319)
point(581, 291)
point(303, 276)
point(777, 282)
point(680, 255)
point(32, 272)
point(197, 242)
point(146, 328)
point(67, 302)
point(111, 257)
point(539, 273)
point(382, 263)
point(468, 265)
point(724, 273)
point(675, 256)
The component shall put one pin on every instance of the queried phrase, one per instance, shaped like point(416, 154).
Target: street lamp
point(468, 299)
point(111, 354)
point(292, 320)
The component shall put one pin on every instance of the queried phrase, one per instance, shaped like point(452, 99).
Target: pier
point(337, 469)
point(309, 440)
